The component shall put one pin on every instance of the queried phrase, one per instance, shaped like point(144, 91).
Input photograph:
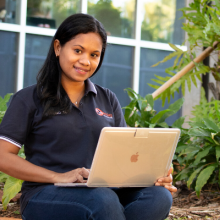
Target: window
point(148, 58)
point(36, 51)
point(50, 13)
point(160, 21)
point(9, 11)
point(117, 16)
point(8, 58)
point(116, 71)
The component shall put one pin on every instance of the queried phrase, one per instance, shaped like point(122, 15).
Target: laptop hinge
point(141, 133)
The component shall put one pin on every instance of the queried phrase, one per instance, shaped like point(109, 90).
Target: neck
point(75, 90)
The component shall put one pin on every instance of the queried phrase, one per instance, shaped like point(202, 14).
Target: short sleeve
point(118, 114)
point(16, 122)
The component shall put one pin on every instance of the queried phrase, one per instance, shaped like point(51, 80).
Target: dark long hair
point(52, 95)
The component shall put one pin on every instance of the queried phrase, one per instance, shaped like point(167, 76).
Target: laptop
point(131, 157)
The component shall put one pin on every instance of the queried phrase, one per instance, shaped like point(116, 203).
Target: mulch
point(186, 205)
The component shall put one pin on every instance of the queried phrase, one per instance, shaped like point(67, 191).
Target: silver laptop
point(131, 157)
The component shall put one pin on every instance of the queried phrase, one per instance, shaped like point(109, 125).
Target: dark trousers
point(60, 203)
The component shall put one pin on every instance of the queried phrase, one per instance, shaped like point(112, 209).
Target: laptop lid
point(132, 157)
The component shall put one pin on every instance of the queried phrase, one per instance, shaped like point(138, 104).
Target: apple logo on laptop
point(134, 157)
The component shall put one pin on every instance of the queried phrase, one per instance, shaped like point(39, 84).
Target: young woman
point(57, 122)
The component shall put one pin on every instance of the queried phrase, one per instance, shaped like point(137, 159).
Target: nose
point(84, 60)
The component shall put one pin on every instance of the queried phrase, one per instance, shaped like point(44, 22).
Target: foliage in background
point(12, 185)
point(199, 153)
point(112, 18)
point(202, 27)
point(140, 112)
point(3, 105)
point(50, 9)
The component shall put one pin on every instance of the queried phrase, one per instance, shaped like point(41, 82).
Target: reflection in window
point(36, 50)
point(50, 13)
point(117, 16)
point(8, 56)
point(148, 58)
point(161, 21)
point(9, 11)
point(116, 71)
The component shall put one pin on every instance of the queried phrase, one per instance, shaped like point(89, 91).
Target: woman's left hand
point(167, 182)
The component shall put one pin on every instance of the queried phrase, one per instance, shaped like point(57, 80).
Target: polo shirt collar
point(90, 87)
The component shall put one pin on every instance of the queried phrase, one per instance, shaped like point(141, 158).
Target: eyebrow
point(84, 48)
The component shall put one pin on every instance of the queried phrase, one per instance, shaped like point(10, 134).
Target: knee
point(162, 197)
point(153, 203)
point(106, 198)
point(106, 204)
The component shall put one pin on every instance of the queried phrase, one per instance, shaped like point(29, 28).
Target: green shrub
point(140, 112)
point(200, 153)
point(12, 185)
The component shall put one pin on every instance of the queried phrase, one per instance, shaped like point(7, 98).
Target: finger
point(163, 184)
point(170, 171)
point(171, 188)
point(80, 179)
point(166, 179)
point(85, 172)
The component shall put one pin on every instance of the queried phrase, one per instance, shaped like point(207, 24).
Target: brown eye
point(94, 55)
point(78, 51)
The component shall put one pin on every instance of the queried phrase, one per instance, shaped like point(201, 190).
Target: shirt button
point(80, 113)
point(80, 103)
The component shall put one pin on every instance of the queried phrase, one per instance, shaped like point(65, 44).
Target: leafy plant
point(12, 185)
point(202, 27)
point(3, 105)
point(202, 154)
point(206, 109)
point(199, 153)
point(140, 112)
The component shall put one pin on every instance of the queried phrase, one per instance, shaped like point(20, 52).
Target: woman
point(57, 122)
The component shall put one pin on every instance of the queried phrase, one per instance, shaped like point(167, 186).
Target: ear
point(57, 47)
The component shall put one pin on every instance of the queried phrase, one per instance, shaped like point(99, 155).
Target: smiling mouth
point(80, 70)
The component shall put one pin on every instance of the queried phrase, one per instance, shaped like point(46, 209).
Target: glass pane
point(116, 71)
point(161, 21)
point(9, 11)
point(117, 16)
point(8, 58)
point(36, 50)
point(148, 58)
point(50, 13)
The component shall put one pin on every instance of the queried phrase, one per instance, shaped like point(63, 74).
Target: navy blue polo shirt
point(62, 142)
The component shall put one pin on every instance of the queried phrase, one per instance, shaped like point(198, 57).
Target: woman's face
point(79, 57)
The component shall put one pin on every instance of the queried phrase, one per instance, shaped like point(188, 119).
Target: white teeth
point(81, 70)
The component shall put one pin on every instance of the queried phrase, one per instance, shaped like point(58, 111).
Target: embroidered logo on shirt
point(101, 113)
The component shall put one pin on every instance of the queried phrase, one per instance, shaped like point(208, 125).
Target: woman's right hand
point(73, 176)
